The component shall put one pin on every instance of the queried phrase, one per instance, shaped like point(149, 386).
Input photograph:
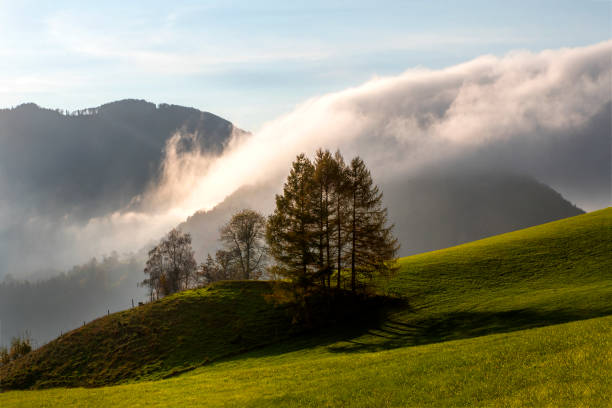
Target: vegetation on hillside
point(329, 215)
point(244, 255)
point(51, 306)
point(20, 346)
point(171, 266)
point(171, 335)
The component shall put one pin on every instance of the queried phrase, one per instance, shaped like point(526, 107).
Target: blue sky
point(251, 61)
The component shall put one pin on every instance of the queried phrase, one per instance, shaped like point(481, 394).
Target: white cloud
point(403, 123)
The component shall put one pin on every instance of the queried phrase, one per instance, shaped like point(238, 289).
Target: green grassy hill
point(565, 365)
point(156, 340)
point(545, 275)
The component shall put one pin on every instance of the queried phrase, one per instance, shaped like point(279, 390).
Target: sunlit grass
point(562, 365)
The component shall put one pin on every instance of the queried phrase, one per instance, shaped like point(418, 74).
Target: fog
point(544, 114)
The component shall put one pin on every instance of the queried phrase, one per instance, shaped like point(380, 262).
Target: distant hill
point(442, 209)
point(47, 307)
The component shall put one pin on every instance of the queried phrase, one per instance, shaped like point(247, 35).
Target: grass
point(562, 365)
point(156, 340)
point(553, 273)
point(467, 333)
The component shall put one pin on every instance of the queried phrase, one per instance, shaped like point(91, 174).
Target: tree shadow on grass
point(394, 333)
point(392, 327)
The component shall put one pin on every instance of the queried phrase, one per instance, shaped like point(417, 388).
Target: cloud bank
point(546, 114)
point(522, 111)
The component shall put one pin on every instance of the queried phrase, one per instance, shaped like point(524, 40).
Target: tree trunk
point(321, 261)
point(354, 242)
point(327, 261)
point(339, 226)
point(247, 273)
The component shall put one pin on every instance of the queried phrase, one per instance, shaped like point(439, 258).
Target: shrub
point(20, 346)
point(4, 356)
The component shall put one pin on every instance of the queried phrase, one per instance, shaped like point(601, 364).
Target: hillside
point(549, 274)
point(564, 365)
point(157, 339)
point(83, 293)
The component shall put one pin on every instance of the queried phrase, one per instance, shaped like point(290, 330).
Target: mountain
point(66, 163)
point(442, 209)
point(56, 166)
point(59, 170)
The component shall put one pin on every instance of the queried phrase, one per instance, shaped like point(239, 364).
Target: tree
point(330, 214)
point(171, 266)
point(226, 264)
point(372, 245)
point(20, 346)
point(222, 267)
point(5, 357)
point(291, 229)
point(331, 180)
point(323, 180)
point(340, 188)
point(244, 237)
point(208, 271)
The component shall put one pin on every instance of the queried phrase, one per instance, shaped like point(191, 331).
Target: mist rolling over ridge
point(60, 173)
point(522, 113)
point(493, 144)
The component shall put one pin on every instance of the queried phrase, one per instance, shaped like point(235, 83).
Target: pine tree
point(208, 271)
point(339, 192)
point(372, 245)
point(292, 228)
point(324, 178)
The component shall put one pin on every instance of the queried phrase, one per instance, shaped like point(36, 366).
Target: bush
point(20, 346)
point(4, 356)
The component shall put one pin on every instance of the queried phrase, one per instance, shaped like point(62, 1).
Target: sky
point(250, 62)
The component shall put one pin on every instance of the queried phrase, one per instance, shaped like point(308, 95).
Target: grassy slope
point(561, 365)
point(548, 274)
point(552, 273)
point(157, 339)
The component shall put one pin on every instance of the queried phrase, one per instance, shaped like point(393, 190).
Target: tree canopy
point(171, 266)
point(330, 215)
